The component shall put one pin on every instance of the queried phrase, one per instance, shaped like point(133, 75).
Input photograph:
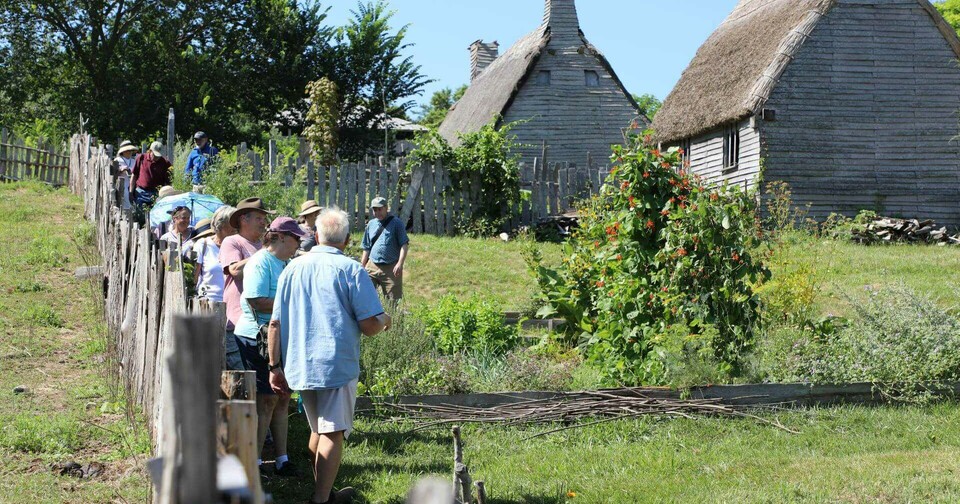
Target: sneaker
point(287, 470)
point(343, 496)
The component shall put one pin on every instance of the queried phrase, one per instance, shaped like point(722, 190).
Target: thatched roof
point(737, 66)
point(493, 90)
point(736, 69)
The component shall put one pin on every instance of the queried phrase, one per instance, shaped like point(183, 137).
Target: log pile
point(572, 410)
point(891, 230)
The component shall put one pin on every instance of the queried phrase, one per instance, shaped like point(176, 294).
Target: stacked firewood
point(889, 229)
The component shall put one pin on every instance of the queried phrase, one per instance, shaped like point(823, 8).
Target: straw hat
point(203, 229)
point(168, 191)
point(127, 146)
point(308, 207)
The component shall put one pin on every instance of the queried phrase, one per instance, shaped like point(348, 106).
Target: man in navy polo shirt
point(385, 246)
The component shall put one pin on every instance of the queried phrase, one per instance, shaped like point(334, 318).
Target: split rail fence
point(170, 351)
point(21, 162)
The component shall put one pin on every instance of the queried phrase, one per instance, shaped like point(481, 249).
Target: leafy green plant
point(658, 248)
point(900, 339)
point(486, 158)
point(46, 251)
point(475, 325)
point(323, 117)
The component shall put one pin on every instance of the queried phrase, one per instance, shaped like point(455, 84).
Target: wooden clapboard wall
point(21, 162)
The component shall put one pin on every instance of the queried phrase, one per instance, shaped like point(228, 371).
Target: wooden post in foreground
point(171, 135)
point(190, 449)
point(237, 435)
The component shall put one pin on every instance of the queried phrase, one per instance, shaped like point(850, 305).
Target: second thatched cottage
point(852, 102)
point(555, 81)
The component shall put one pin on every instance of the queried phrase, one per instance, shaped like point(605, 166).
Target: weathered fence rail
point(20, 162)
point(169, 348)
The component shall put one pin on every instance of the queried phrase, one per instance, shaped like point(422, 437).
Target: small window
point(731, 147)
point(543, 78)
point(686, 146)
point(592, 78)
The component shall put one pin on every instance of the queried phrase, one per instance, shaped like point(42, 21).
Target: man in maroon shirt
point(150, 172)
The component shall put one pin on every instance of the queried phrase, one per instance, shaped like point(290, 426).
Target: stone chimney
point(481, 55)
point(561, 17)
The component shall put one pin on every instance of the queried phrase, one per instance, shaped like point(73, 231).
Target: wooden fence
point(169, 348)
point(425, 195)
point(19, 162)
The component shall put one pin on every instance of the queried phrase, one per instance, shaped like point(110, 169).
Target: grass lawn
point(844, 269)
point(844, 454)
point(51, 345)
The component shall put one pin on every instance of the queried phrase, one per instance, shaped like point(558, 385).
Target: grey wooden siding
point(867, 114)
point(706, 156)
point(572, 118)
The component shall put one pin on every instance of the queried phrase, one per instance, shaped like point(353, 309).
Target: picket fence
point(20, 162)
point(425, 195)
point(169, 348)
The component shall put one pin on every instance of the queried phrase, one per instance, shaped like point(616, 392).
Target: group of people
point(142, 176)
point(296, 305)
point(292, 281)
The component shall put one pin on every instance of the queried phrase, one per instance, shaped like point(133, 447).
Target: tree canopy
point(233, 69)
point(435, 112)
point(951, 11)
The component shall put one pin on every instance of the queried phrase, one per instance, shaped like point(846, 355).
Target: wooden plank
point(351, 193)
point(196, 383)
point(321, 185)
point(383, 182)
point(411, 204)
point(363, 202)
point(334, 186)
point(429, 197)
point(393, 190)
point(237, 435)
point(271, 156)
point(449, 197)
point(311, 181)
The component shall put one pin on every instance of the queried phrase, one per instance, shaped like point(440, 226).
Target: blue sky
point(648, 42)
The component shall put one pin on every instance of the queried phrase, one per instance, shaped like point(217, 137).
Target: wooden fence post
point(171, 135)
point(195, 377)
point(272, 156)
point(3, 153)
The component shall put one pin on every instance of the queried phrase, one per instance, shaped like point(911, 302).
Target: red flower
point(600, 283)
point(630, 199)
point(664, 289)
point(682, 251)
point(650, 224)
point(664, 212)
point(673, 200)
point(596, 244)
point(736, 256)
point(619, 257)
point(655, 152)
point(714, 197)
point(665, 164)
point(625, 185)
point(646, 174)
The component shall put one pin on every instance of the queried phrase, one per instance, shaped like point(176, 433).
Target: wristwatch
point(271, 367)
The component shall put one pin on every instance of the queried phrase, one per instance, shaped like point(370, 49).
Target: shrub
point(658, 248)
point(485, 157)
point(900, 340)
point(475, 325)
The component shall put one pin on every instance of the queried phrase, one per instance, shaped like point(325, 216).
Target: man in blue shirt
point(325, 301)
point(385, 246)
point(198, 159)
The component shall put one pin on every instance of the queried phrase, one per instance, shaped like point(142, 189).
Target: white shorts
point(330, 410)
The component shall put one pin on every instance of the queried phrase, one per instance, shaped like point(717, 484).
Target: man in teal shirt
point(385, 246)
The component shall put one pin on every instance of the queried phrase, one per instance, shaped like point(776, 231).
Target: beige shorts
point(330, 410)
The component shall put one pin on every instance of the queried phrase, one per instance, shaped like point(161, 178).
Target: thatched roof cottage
point(852, 102)
point(557, 82)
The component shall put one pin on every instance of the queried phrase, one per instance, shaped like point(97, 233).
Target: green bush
point(475, 325)
point(41, 434)
point(658, 248)
point(900, 340)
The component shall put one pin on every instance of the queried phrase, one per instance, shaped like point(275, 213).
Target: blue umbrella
point(202, 206)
